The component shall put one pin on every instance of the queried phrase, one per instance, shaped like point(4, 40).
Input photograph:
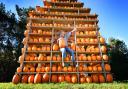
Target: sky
point(113, 14)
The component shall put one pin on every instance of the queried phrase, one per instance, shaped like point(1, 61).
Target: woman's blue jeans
point(70, 51)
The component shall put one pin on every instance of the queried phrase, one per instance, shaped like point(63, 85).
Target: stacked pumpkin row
point(44, 78)
point(32, 13)
point(60, 25)
point(57, 67)
point(57, 17)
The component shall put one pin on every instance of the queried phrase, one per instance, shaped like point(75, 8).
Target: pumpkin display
point(16, 79)
point(31, 79)
point(41, 58)
point(37, 78)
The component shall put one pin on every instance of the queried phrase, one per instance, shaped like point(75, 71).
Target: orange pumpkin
point(98, 57)
point(54, 69)
point(67, 58)
point(80, 68)
point(60, 78)
point(34, 48)
point(16, 79)
point(59, 68)
point(42, 69)
point(41, 40)
point(94, 68)
point(39, 31)
point(74, 79)
point(37, 78)
point(105, 57)
point(19, 69)
point(84, 58)
point(89, 58)
point(29, 48)
point(55, 47)
point(48, 58)
point(32, 69)
point(85, 69)
point(95, 78)
point(38, 69)
point(24, 79)
point(31, 79)
point(101, 78)
point(45, 77)
point(93, 57)
point(54, 58)
point(25, 69)
point(26, 32)
point(69, 69)
point(65, 69)
point(102, 40)
point(47, 69)
point(48, 48)
point(62, 43)
point(99, 69)
point(103, 49)
point(109, 78)
point(88, 79)
point(54, 79)
point(67, 78)
point(58, 58)
point(90, 68)
point(107, 67)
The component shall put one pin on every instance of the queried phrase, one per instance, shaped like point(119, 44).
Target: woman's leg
point(63, 51)
point(71, 53)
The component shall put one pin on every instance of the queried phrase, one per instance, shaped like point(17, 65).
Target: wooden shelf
point(85, 10)
point(39, 43)
point(65, 28)
point(60, 72)
point(36, 34)
point(61, 61)
point(62, 20)
point(65, 14)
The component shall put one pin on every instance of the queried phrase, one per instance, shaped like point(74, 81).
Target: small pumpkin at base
point(16, 79)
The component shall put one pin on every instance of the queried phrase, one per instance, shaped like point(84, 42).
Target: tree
point(119, 59)
point(11, 36)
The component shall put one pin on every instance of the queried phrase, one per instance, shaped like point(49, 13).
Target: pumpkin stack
point(41, 59)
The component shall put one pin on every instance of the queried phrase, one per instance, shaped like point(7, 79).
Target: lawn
point(64, 86)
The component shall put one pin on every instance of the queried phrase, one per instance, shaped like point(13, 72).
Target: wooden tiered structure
point(41, 58)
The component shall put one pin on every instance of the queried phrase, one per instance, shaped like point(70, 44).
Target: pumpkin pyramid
point(41, 59)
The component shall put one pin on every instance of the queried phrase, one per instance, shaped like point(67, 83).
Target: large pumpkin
point(74, 79)
point(54, 68)
point(37, 78)
point(93, 57)
point(55, 47)
point(82, 79)
point(88, 79)
point(62, 43)
point(24, 79)
point(16, 79)
point(99, 68)
point(32, 69)
point(60, 78)
point(45, 77)
point(70, 69)
point(101, 78)
point(19, 69)
point(59, 58)
point(107, 67)
point(109, 78)
point(65, 69)
point(94, 68)
point(95, 78)
point(103, 49)
point(68, 78)
point(54, 78)
point(105, 57)
point(98, 57)
point(59, 69)
point(31, 79)
point(47, 69)
point(102, 40)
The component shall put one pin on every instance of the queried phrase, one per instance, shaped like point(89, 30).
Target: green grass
point(65, 86)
